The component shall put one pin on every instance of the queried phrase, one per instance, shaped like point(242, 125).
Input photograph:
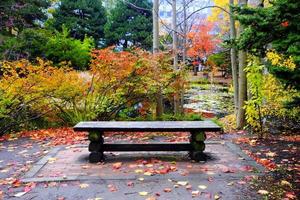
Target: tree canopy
point(18, 14)
point(274, 27)
point(81, 17)
point(129, 24)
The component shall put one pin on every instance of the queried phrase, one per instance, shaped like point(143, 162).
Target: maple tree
point(203, 41)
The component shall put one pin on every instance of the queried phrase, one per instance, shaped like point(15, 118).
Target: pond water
point(209, 99)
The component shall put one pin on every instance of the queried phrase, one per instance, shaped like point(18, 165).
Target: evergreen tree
point(276, 26)
point(19, 14)
point(81, 17)
point(130, 24)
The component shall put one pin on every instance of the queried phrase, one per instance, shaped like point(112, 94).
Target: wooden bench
point(195, 147)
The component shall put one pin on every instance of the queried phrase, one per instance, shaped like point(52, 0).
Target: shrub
point(60, 47)
point(31, 92)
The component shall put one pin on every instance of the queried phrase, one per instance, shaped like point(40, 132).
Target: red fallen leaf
point(27, 189)
point(117, 165)
point(188, 187)
point(61, 198)
point(173, 168)
point(249, 178)
point(247, 168)
point(145, 162)
point(210, 179)
point(16, 183)
point(189, 166)
point(163, 171)
point(290, 195)
point(157, 194)
point(167, 190)
point(227, 170)
point(241, 182)
point(132, 166)
point(112, 188)
point(130, 184)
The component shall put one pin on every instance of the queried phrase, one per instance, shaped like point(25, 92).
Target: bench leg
point(96, 147)
point(198, 146)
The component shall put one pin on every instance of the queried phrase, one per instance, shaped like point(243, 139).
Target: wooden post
point(197, 142)
point(96, 146)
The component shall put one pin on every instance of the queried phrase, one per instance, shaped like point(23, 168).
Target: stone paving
point(65, 169)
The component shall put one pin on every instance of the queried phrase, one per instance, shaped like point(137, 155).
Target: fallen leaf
point(151, 198)
point(149, 166)
point(188, 187)
point(216, 197)
point(148, 174)
point(182, 183)
point(167, 190)
point(20, 194)
point(130, 184)
point(139, 171)
point(143, 193)
point(195, 193)
point(230, 183)
point(117, 165)
point(284, 182)
point(270, 154)
point(227, 170)
point(263, 192)
point(202, 187)
point(83, 185)
point(112, 188)
point(51, 160)
point(290, 195)
point(141, 179)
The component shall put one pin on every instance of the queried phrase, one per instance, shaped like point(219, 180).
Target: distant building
point(165, 12)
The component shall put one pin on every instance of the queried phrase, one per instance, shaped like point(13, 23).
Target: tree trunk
point(159, 95)
point(233, 58)
point(241, 119)
point(175, 55)
point(184, 53)
point(174, 29)
point(155, 11)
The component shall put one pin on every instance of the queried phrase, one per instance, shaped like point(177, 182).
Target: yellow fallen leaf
point(263, 192)
point(270, 154)
point(202, 187)
point(143, 193)
point(84, 185)
point(284, 182)
point(148, 174)
point(230, 183)
point(151, 198)
point(139, 171)
point(141, 179)
point(216, 197)
point(195, 193)
point(182, 183)
point(4, 170)
point(51, 160)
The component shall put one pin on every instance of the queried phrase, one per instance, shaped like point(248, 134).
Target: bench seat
point(195, 148)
